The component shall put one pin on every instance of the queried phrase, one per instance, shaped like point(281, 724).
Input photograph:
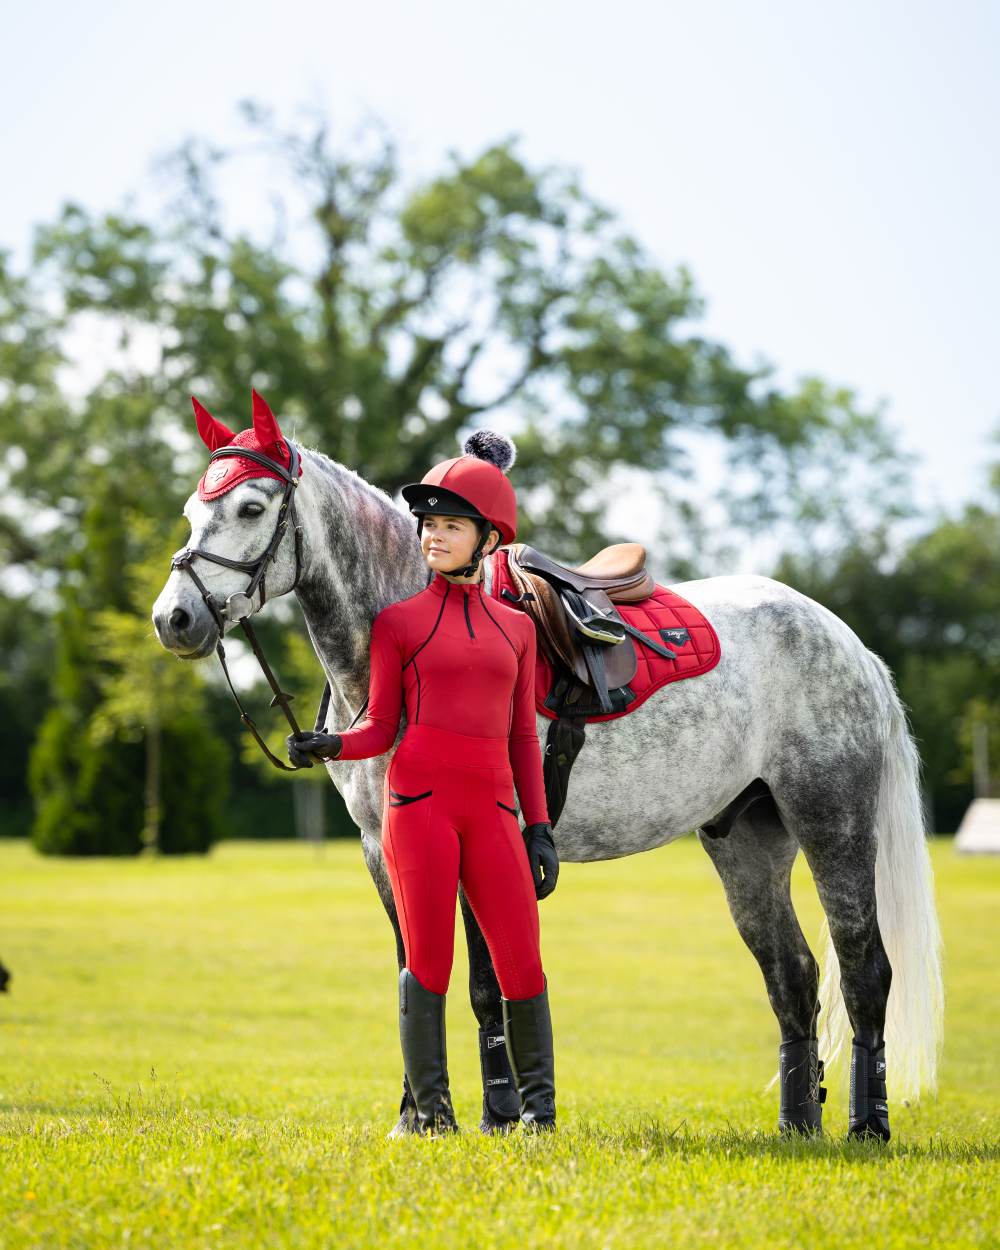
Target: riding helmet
point(474, 484)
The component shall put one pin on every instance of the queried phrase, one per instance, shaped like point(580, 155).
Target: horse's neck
point(359, 554)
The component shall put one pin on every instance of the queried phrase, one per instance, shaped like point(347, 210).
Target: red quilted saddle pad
point(686, 631)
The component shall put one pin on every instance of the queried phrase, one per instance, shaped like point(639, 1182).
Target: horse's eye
point(251, 509)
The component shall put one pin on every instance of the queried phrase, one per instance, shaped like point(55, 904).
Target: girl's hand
point(542, 854)
point(310, 743)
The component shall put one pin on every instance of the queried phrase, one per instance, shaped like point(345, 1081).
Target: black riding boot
point(425, 1055)
point(527, 1030)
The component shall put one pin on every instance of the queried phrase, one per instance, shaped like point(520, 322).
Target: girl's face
point(449, 541)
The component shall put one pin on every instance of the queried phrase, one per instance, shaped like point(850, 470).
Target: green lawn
point(203, 1052)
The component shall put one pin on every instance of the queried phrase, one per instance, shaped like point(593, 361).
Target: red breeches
point(448, 816)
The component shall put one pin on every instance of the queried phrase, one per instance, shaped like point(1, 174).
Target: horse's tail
point(907, 918)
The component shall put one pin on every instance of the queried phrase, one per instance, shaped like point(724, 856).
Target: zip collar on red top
point(439, 585)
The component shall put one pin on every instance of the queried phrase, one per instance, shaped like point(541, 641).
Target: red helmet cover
point(481, 484)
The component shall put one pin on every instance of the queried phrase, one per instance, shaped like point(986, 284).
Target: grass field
point(204, 1052)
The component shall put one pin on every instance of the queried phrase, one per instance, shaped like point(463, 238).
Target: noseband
point(238, 607)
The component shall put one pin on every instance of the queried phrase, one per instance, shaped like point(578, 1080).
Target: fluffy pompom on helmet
point(492, 447)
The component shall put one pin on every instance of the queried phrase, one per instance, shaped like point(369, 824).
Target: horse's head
point(245, 543)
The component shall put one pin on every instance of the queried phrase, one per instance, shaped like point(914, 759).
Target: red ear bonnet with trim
point(229, 471)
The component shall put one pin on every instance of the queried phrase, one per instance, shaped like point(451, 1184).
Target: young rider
point(465, 665)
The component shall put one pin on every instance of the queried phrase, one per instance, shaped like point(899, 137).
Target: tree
point(397, 318)
point(930, 611)
point(28, 654)
point(145, 695)
point(124, 760)
point(491, 291)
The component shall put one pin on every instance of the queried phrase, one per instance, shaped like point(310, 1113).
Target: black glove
point(310, 743)
point(542, 854)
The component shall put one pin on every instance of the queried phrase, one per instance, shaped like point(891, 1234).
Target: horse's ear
point(265, 423)
point(213, 433)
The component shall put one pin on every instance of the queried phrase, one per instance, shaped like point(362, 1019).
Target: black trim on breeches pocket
point(398, 800)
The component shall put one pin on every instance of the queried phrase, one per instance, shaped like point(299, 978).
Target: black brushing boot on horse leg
point(527, 1026)
point(802, 1095)
point(425, 1054)
point(869, 1109)
point(501, 1105)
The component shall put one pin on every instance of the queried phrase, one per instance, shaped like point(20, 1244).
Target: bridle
point(238, 607)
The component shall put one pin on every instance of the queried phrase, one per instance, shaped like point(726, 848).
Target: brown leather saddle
point(574, 612)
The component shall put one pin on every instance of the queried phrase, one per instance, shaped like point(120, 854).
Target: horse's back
point(770, 610)
point(792, 662)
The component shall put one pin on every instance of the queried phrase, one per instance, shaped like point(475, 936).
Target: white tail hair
point(907, 919)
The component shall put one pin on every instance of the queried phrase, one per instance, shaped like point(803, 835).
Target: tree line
point(389, 320)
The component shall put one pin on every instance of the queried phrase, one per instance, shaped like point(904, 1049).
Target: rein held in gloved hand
point(306, 745)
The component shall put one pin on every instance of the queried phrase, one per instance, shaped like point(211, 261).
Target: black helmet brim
point(422, 498)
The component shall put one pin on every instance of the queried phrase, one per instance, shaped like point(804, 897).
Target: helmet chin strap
point(472, 567)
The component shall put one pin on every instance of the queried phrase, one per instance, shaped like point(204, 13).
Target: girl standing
point(465, 665)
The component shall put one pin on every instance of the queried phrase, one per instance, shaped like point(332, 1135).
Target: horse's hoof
point(494, 1126)
point(800, 1128)
point(501, 1112)
point(406, 1127)
point(446, 1129)
point(410, 1128)
point(875, 1128)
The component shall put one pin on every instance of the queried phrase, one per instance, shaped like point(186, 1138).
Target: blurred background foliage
point(394, 319)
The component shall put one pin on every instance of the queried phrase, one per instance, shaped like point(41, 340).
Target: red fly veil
point(228, 471)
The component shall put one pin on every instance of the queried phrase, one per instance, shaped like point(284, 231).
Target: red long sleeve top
point(464, 662)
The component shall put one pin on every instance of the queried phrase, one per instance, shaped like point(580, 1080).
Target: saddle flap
point(547, 613)
point(603, 665)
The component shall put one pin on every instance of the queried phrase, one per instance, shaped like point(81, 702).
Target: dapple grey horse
point(797, 713)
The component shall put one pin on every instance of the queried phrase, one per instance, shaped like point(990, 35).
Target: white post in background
point(980, 827)
point(308, 800)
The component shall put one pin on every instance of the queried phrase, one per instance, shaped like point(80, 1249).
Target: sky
point(829, 174)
